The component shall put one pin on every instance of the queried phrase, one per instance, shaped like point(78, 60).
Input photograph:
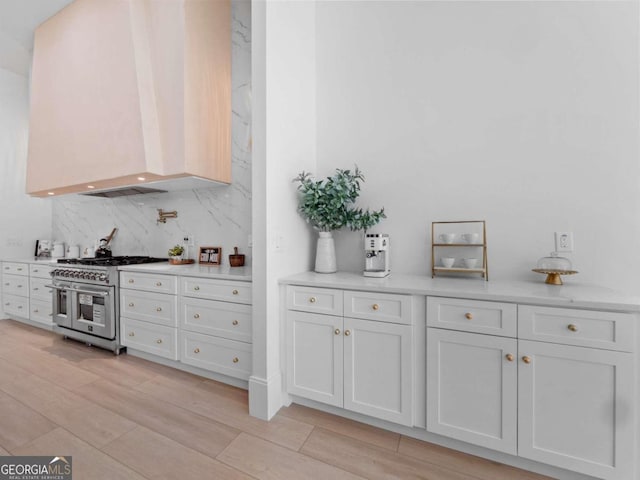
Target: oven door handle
point(57, 287)
point(90, 292)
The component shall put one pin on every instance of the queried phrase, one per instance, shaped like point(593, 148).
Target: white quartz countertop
point(223, 272)
point(571, 294)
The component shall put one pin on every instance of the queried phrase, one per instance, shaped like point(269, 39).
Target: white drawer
point(475, 316)
point(41, 311)
point(40, 271)
point(315, 300)
point(15, 285)
point(223, 319)
point(586, 328)
point(382, 307)
point(219, 355)
point(211, 289)
point(159, 308)
point(150, 282)
point(15, 268)
point(15, 305)
point(149, 337)
point(38, 289)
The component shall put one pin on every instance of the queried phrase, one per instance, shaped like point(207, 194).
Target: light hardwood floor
point(126, 418)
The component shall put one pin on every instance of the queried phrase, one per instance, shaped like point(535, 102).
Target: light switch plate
point(564, 241)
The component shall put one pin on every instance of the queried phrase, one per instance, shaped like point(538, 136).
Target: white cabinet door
point(577, 408)
point(378, 370)
point(472, 383)
point(314, 356)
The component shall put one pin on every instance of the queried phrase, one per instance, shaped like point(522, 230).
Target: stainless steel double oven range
point(86, 299)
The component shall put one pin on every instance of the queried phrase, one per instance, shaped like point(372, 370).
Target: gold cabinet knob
point(158, 284)
point(236, 359)
point(35, 289)
point(7, 284)
point(526, 359)
point(235, 292)
point(196, 350)
point(468, 316)
point(375, 306)
point(509, 357)
point(36, 310)
point(158, 309)
point(196, 315)
point(8, 303)
point(35, 270)
point(196, 287)
point(131, 304)
point(131, 280)
point(312, 300)
point(132, 334)
point(572, 327)
point(337, 331)
point(19, 269)
point(347, 332)
point(235, 322)
point(19, 307)
point(159, 340)
point(19, 286)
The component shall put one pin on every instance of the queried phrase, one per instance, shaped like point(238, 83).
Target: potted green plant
point(176, 253)
point(328, 205)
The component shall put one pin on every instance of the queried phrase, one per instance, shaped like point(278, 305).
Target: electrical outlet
point(188, 240)
point(564, 241)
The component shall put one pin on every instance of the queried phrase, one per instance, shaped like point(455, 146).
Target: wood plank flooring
point(126, 418)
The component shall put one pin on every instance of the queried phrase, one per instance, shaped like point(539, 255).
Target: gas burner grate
point(111, 261)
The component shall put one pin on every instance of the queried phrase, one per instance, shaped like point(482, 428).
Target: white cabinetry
point(40, 296)
point(215, 325)
point(148, 316)
point(15, 289)
point(549, 395)
point(364, 364)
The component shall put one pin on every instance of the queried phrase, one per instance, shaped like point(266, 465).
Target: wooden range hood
point(127, 92)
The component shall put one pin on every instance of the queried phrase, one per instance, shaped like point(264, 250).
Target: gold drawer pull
point(131, 304)
point(7, 284)
point(196, 350)
point(159, 309)
point(235, 360)
point(375, 306)
point(36, 311)
point(7, 303)
point(347, 332)
point(159, 340)
point(526, 359)
point(235, 292)
point(468, 316)
point(131, 280)
point(35, 270)
point(509, 357)
point(337, 331)
point(19, 269)
point(312, 300)
point(235, 322)
point(572, 327)
point(196, 288)
point(35, 289)
point(158, 284)
point(132, 334)
point(19, 286)
point(196, 315)
point(19, 307)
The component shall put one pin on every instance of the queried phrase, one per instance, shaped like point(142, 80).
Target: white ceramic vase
point(325, 253)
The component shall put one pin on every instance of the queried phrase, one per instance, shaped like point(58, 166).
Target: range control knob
point(103, 277)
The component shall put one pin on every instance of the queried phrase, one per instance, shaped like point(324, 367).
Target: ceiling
point(18, 21)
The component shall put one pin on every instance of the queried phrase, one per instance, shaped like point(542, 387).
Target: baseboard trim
point(265, 396)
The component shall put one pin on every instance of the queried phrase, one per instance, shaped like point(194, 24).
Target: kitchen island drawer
point(585, 328)
point(39, 290)
point(158, 308)
point(211, 289)
point(151, 282)
point(15, 305)
point(224, 319)
point(220, 355)
point(149, 337)
point(15, 285)
point(383, 307)
point(41, 311)
point(473, 316)
point(40, 271)
point(15, 268)
point(315, 300)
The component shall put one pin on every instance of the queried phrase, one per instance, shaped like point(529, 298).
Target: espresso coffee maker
point(376, 248)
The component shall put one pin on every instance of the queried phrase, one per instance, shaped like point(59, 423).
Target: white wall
point(217, 216)
point(524, 114)
point(283, 75)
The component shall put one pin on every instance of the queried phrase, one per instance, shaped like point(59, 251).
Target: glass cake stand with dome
point(554, 266)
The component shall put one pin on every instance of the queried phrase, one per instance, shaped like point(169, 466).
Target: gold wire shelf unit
point(439, 242)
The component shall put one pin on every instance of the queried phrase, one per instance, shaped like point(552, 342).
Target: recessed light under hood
point(123, 192)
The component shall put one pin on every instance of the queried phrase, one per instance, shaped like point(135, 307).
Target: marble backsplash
point(216, 216)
